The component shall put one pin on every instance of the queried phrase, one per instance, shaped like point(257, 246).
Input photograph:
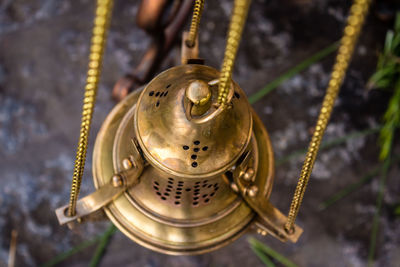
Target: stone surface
point(43, 58)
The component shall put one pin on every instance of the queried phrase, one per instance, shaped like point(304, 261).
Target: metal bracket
point(270, 219)
point(190, 54)
point(105, 194)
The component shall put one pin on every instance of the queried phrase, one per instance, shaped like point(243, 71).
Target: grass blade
point(82, 246)
point(293, 71)
point(389, 60)
point(379, 201)
point(263, 257)
point(254, 243)
point(105, 239)
point(65, 255)
point(353, 187)
point(397, 211)
point(388, 42)
point(329, 144)
point(349, 189)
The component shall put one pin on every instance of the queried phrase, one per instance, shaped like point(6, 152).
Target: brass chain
point(194, 26)
point(352, 30)
point(239, 15)
point(98, 42)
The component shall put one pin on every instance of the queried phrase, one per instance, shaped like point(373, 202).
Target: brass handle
point(130, 176)
point(102, 196)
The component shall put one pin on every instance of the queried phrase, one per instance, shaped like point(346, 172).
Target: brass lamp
point(180, 178)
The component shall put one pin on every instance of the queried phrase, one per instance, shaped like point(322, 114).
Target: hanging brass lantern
point(184, 165)
point(179, 175)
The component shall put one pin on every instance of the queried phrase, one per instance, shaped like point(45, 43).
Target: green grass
point(355, 186)
point(391, 121)
point(397, 211)
point(101, 247)
point(293, 71)
point(263, 251)
point(386, 77)
point(80, 247)
point(329, 144)
point(379, 201)
point(349, 189)
point(263, 257)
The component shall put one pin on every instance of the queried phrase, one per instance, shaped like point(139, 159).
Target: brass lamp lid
point(183, 141)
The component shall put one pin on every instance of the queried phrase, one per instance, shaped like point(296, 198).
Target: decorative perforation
point(195, 151)
point(235, 95)
point(159, 95)
point(177, 192)
point(204, 192)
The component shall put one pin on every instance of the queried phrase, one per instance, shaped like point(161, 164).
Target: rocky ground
point(43, 58)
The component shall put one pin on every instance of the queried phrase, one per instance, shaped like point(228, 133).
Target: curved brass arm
point(105, 194)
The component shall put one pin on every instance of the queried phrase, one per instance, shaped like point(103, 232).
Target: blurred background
point(44, 45)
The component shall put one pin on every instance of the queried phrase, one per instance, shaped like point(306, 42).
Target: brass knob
point(248, 175)
point(252, 191)
point(198, 92)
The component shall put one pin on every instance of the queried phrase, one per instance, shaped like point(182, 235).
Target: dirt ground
point(43, 57)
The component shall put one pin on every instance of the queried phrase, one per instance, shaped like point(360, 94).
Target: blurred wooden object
point(13, 248)
point(163, 20)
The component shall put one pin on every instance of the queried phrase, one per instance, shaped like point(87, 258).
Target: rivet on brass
point(252, 191)
point(261, 232)
point(235, 187)
point(127, 164)
point(117, 180)
point(248, 175)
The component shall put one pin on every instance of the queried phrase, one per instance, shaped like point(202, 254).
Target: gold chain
point(98, 41)
point(352, 30)
point(239, 15)
point(194, 26)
